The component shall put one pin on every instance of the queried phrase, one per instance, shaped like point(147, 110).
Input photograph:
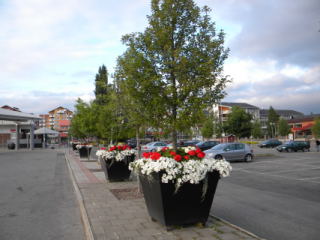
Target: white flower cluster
point(192, 171)
point(118, 155)
point(81, 146)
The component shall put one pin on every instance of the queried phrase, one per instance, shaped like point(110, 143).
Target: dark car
point(207, 145)
point(294, 146)
point(271, 143)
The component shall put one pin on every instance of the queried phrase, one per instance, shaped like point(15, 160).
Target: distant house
point(301, 127)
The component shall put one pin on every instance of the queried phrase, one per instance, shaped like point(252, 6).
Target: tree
point(256, 130)
point(316, 128)
point(239, 123)
point(101, 85)
point(83, 123)
point(207, 129)
point(284, 128)
point(273, 119)
point(178, 61)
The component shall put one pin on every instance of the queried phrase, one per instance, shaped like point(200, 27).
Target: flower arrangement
point(117, 152)
point(187, 164)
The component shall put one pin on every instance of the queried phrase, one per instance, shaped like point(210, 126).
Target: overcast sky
point(50, 50)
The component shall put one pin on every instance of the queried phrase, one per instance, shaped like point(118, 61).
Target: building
point(60, 120)
point(44, 122)
point(283, 113)
point(223, 109)
point(17, 128)
point(301, 127)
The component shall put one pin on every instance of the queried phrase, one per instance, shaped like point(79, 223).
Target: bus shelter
point(18, 118)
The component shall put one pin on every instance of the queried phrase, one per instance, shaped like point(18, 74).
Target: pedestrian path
point(117, 210)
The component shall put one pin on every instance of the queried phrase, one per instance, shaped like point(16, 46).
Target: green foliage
point(101, 85)
point(284, 128)
point(207, 129)
point(316, 128)
point(173, 70)
point(83, 124)
point(256, 130)
point(239, 123)
point(272, 123)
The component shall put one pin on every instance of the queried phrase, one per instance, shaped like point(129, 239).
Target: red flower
point(186, 157)
point(192, 153)
point(124, 147)
point(103, 148)
point(172, 153)
point(119, 147)
point(112, 148)
point(201, 155)
point(155, 156)
point(146, 154)
point(164, 149)
point(198, 150)
point(178, 158)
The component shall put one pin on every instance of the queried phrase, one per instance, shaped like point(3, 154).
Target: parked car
point(185, 143)
point(271, 143)
point(231, 151)
point(294, 146)
point(207, 145)
point(153, 146)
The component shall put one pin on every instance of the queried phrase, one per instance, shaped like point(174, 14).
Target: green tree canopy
point(178, 63)
point(239, 123)
point(256, 130)
point(316, 128)
point(101, 85)
point(284, 128)
point(272, 124)
point(207, 129)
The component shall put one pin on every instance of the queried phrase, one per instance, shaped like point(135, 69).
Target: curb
point(83, 212)
point(237, 227)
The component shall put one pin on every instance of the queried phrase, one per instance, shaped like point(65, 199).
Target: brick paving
point(117, 211)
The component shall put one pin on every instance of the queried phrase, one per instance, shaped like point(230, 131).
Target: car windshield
point(219, 147)
point(200, 143)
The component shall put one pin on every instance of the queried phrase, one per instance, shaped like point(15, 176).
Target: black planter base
point(84, 152)
point(186, 207)
point(117, 171)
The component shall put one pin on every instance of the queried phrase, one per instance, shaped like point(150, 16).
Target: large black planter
point(117, 170)
point(187, 206)
point(84, 152)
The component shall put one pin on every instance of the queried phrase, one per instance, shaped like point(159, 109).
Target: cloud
point(285, 30)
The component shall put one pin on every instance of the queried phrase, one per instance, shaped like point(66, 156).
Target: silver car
point(231, 151)
point(153, 146)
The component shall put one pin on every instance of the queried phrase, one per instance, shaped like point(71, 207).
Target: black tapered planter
point(74, 146)
point(187, 206)
point(84, 152)
point(117, 170)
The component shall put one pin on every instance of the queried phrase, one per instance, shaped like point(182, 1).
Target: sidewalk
point(117, 210)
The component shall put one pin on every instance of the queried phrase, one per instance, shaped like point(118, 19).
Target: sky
point(50, 50)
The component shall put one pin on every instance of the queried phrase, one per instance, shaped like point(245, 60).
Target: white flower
point(192, 171)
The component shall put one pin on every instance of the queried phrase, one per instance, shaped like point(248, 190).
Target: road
point(37, 199)
point(276, 198)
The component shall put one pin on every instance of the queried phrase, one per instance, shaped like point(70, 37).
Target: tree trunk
point(138, 142)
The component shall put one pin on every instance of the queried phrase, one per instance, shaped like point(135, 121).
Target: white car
point(153, 146)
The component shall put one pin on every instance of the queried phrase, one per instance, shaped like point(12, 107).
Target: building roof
point(283, 112)
point(307, 118)
point(242, 105)
point(16, 116)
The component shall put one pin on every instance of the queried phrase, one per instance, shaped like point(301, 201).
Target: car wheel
point(248, 158)
point(218, 157)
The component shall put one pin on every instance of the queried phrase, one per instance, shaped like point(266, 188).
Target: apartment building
point(223, 109)
point(58, 119)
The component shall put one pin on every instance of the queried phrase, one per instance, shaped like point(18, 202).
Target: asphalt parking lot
point(277, 196)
